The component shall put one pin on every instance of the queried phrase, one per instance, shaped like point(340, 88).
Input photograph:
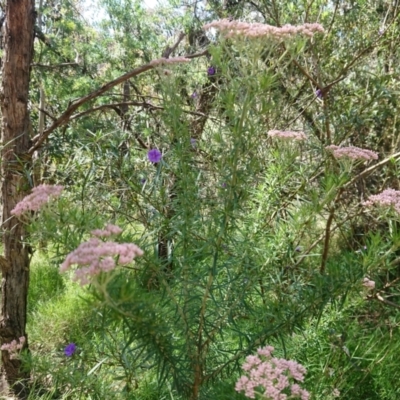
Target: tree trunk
point(18, 35)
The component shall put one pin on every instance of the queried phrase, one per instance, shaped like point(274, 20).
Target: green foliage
point(248, 240)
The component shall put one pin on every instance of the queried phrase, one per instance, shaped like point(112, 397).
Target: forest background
point(213, 153)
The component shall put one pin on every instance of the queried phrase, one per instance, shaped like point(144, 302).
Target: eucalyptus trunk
point(17, 43)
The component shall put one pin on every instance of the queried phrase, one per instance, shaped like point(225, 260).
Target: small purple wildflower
point(298, 249)
point(319, 94)
point(211, 71)
point(70, 349)
point(381, 32)
point(193, 142)
point(154, 156)
point(194, 95)
point(223, 185)
point(143, 181)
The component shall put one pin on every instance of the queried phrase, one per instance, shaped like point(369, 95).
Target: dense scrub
point(238, 156)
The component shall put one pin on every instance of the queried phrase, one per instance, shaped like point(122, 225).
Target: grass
point(61, 312)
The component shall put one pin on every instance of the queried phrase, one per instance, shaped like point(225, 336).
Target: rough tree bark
point(18, 35)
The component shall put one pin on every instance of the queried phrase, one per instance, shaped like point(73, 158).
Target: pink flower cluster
point(13, 348)
point(107, 231)
point(164, 61)
point(287, 135)
point(234, 28)
point(40, 195)
point(388, 197)
point(273, 375)
point(96, 256)
point(352, 152)
point(368, 283)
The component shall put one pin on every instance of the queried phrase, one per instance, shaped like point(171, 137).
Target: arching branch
point(65, 117)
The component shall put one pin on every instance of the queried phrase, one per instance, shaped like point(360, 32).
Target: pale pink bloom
point(368, 284)
point(304, 395)
point(296, 389)
point(107, 231)
point(165, 61)
point(287, 135)
point(251, 361)
point(40, 195)
point(235, 28)
point(352, 152)
point(265, 351)
point(282, 382)
point(272, 376)
point(388, 197)
point(335, 393)
point(95, 256)
point(244, 384)
point(14, 347)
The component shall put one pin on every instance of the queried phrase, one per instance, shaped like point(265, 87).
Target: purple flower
point(194, 95)
point(143, 181)
point(223, 185)
point(211, 71)
point(70, 349)
point(193, 142)
point(154, 156)
point(319, 94)
point(298, 249)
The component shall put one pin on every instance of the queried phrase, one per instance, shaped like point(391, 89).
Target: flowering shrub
point(271, 377)
point(234, 28)
point(287, 135)
point(96, 256)
point(224, 218)
point(40, 195)
point(388, 197)
point(352, 152)
point(107, 231)
point(14, 347)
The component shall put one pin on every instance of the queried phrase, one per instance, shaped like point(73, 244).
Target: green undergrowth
point(63, 312)
point(352, 346)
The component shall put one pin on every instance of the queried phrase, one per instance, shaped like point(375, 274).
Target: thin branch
point(327, 241)
point(169, 50)
point(371, 169)
point(129, 103)
point(316, 242)
point(66, 64)
point(65, 117)
point(333, 18)
point(343, 73)
point(42, 110)
point(378, 297)
point(305, 73)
